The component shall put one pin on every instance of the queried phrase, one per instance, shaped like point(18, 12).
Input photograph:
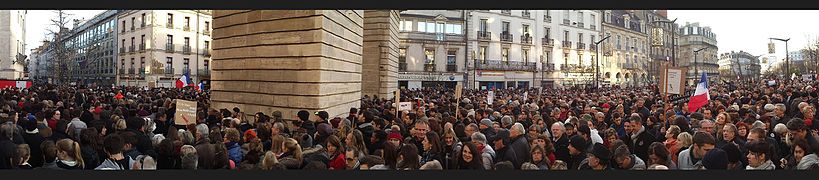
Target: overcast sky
point(749, 30)
point(736, 30)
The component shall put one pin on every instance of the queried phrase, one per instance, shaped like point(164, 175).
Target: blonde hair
point(269, 160)
point(685, 139)
point(276, 145)
point(232, 134)
point(120, 125)
point(72, 148)
point(24, 152)
point(291, 145)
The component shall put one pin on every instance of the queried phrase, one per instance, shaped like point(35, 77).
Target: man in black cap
point(304, 118)
point(503, 151)
point(577, 151)
point(598, 158)
point(322, 118)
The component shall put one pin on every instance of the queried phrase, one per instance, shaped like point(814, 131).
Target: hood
point(807, 162)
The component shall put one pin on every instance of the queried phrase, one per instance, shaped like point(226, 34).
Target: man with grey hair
point(707, 126)
point(205, 149)
point(560, 141)
point(519, 142)
point(506, 122)
point(779, 112)
point(488, 154)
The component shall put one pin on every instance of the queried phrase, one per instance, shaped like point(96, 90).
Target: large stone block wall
point(380, 68)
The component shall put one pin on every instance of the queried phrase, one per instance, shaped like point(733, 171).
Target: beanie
point(715, 159)
point(323, 115)
point(486, 122)
point(304, 115)
point(395, 135)
point(324, 129)
point(578, 143)
point(601, 152)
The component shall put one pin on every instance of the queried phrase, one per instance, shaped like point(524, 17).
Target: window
point(185, 64)
point(402, 59)
point(565, 35)
point(593, 18)
point(505, 27)
point(565, 58)
point(207, 27)
point(505, 55)
point(122, 46)
point(482, 54)
point(618, 42)
point(143, 19)
point(430, 56)
point(431, 27)
point(187, 22)
point(141, 62)
point(483, 25)
point(123, 25)
point(566, 14)
point(547, 58)
point(439, 27)
point(579, 37)
point(170, 20)
point(525, 56)
point(123, 64)
point(187, 42)
point(592, 38)
point(636, 46)
point(628, 47)
point(207, 46)
point(207, 63)
point(453, 29)
point(170, 40)
point(169, 65)
point(133, 22)
point(132, 41)
point(132, 62)
point(450, 61)
point(406, 25)
point(142, 41)
point(548, 32)
point(580, 17)
point(526, 30)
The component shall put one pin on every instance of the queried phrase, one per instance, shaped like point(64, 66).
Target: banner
point(185, 112)
point(490, 97)
point(405, 106)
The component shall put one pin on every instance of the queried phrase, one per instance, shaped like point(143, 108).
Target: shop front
point(428, 80)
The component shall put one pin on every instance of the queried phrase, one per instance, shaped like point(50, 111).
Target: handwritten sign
point(458, 90)
point(185, 112)
point(405, 106)
point(674, 80)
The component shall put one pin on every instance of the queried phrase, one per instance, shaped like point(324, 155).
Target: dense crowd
point(745, 126)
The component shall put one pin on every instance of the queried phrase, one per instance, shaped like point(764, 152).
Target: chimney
point(663, 13)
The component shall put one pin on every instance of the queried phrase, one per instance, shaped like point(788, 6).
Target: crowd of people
point(765, 125)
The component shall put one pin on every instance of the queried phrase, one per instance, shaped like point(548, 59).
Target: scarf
point(634, 136)
point(768, 165)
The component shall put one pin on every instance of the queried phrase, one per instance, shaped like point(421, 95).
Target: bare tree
point(61, 52)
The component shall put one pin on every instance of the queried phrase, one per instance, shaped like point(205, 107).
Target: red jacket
point(338, 163)
point(52, 123)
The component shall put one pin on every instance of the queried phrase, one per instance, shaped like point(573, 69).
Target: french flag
point(201, 86)
point(184, 81)
point(701, 95)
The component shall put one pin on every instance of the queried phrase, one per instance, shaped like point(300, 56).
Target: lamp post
point(696, 71)
point(673, 39)
point(597, 63)
point(787, 69)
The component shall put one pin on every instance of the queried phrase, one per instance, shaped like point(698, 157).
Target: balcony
point(186, 70)
point(429, 37)
point(131, 71)
point(203, 72)
point(186, 28)
point(566, 22)
point(506, 37)
point(206, 53)
point(575, 68)
point(122, 51)
point(169, 25)
point(505, 66)
point(581, 46)
point(581, 25)
point(567, 44)
point(169, 48)
point(143, 24)
point(429, 67)
point(484, 35)
point(547, 18)
point(549, 67)
point(168, 71)
point(593, 47)
point(141, 47)
point(132, 28)
point(186, 49)
point(141, 72)
point(131, 49)
point(593, 27)
point(206, 32)
point(548, 42)
point(451, 68)
point(402, 66)
point(526, 14)
point(526, 39)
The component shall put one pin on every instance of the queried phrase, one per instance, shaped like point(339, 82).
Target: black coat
point(7, 151)
point(144, 143)
point(562, 149)
point(640, 147)
point(507, 154)
point(522, 150)
point(34, 141)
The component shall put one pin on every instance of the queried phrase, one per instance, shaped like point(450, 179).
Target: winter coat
point(34, 140)
point(672, 148)
point(428, 156)
point(49, 166)
point(637, 163)
point(68, 165)
point(90, 157)
point(109, 164)
point(768, 165)
point(367, 130)
point(639, 142)
point(144, 143)
point(508, 154)
point(562, 148)
point(522, 150)
point(206, 152)
point(488, 156)
point(338, 162)
point(234, 152)
point(810, 161)
point(7, 151)
point(686, 160)
point(490, 134)
point(575, 161)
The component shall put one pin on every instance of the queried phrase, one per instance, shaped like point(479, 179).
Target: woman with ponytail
point(69, 156)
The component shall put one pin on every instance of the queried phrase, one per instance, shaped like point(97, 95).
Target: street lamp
point(597, 63)
point(787, 69)
point(673, 39)
point(696, 71)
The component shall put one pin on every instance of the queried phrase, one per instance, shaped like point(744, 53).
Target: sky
point(749, 30)
point(38, 21)
point(736, 30)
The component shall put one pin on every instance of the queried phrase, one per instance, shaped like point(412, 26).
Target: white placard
point(405, 106)
point(490, 97)
point(673, 81)
point(526, 96)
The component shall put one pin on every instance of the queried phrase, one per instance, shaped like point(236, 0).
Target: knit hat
point(732, 152)
point(395, 135)
point(601, 152)
point(606, 105)
point(304, 115)
point(715, 159)
point(323, 115)
point(578, 143)
point(324, 129)
point(486, 122)
point(249, 134)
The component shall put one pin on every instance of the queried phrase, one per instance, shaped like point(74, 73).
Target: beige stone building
point(433, 48)
point(12, 43)
point(695, 37)
point(157, 46)
point(625, 61)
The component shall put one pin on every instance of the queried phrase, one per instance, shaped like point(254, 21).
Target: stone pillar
point(380, 66)
point(287, 60)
